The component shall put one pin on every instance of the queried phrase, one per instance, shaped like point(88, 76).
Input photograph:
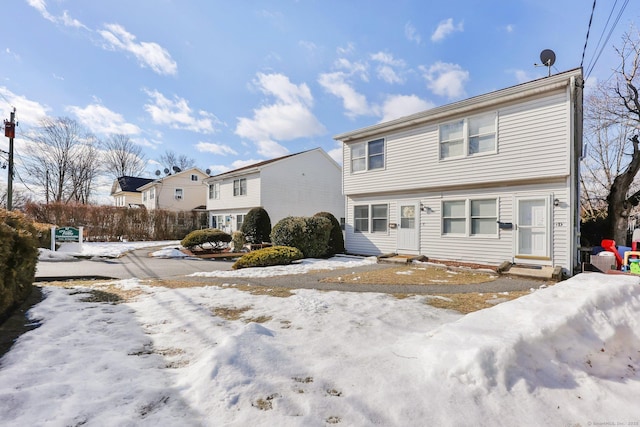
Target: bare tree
point(62, 159)
point(170, 159)
point(19, 199)
point(123, 157)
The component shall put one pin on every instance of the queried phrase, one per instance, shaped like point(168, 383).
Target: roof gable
point(129, 184)
point(259, 165)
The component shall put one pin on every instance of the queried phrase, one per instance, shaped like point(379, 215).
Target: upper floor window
point(479, 217)
point(468, 137)
point(214, 190)
point(178, 193)
point(367, 155)
point(144, 196)
point(240, 187)
point(194, 177)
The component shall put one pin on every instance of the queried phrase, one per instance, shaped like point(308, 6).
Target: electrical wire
point(614, 25)
point(586, 39)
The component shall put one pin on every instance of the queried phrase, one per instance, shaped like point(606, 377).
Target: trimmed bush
point(238, 241)
point(336, 239)
point(212, 237)
point(257, 226)
point(274, 255)
point(309, 234)
point(18, 258)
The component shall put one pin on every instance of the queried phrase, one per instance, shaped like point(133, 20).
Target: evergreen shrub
point(274, 255)
point(336, 239)
point(18, 258)
point(309, 234)
point(213, 238)
point(257, 226)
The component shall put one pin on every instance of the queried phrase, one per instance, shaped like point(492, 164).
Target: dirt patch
point(469, 302)
point(416, 275)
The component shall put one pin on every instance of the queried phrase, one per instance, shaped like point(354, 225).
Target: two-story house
point(181, 191)
point(488, 179)
point(300, 184)
point(124, 190)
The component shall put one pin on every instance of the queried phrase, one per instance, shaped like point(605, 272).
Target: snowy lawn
point(565, 355)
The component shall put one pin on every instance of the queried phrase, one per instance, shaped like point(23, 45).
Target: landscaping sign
point(65, 234)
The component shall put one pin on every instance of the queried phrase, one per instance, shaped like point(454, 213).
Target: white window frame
point(240, 190)
point(178, 194)
point(466, 137)
point(239, 221)
point(468, 217)
point(144, 196)
point(214, 190)
point(152, 193)
point(369, 156)
point(370, 220)
point(194, 177)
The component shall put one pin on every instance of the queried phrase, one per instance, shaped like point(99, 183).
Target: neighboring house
point(181, 191)
point(301, 184)
point(488, 179)
point(125, 190)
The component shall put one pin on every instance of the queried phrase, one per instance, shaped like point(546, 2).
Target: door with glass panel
point(532, 228)
point(408, 226)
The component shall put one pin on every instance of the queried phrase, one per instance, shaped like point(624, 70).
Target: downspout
point(576, 86)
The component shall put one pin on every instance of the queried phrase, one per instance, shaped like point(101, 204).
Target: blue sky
point(234, 83)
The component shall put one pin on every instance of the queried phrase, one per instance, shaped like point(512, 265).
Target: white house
point(124, 190)
point(488, 179)
point(300, 184)
point(181, 191)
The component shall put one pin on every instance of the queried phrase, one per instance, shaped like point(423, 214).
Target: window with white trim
point(214, 190)
point(477, 217)
point(178, 193)
point(194, 177)
point(377, 222)
point(367, 155)
point(468, 137)
point(240, 187)
point(152, 193)
point(144, 196)
point(239, 221)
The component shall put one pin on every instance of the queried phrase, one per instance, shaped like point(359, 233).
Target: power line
point(586, 39)
point(614, 25)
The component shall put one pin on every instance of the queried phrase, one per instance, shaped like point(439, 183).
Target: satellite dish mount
point(548, 58)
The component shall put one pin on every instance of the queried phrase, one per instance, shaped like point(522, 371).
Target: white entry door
point(408, 226)
point(533, 228)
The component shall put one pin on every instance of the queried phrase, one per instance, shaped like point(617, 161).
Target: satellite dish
point(166, 170)
point(548, 57)
point(176, 169)
point(158, 172)
point(208, 171)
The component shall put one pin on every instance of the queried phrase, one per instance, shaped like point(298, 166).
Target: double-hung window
point(476, 217)
point(367, 155)
point(214, 190)
point(239, 221)
point(152, 193)
point(468, 137)
point(370, 217)
point(240, 187)
point(194, 177)
point(178, 194)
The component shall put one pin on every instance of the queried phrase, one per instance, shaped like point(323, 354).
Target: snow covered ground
point(565, 355)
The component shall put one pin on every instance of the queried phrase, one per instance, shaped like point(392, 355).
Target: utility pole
point(10, 132)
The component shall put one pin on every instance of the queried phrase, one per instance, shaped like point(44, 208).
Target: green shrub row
point(336, 239)
point(257, 226)
point(309, 234)
point(18, 258)
point(274, 255)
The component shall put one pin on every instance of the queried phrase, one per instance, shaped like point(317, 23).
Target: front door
point(532, 229)
point(408, 226)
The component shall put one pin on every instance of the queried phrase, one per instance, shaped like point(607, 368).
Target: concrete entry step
point(400, 259)
point(535, 271)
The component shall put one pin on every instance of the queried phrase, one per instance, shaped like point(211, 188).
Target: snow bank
point(581, 335)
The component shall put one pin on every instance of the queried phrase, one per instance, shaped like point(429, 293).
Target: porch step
point(535, 271)
point(400, 259)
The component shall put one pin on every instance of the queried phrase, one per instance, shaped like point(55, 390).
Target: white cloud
point(411, 33)
point(345, 50)
point(522, 76)
point(149, 54)
point(219, 149)
point(387, 69)
point(445, 28)
point(64, 19)
point(510, 28)
point(178, 115)
point(288, 117)
point(336, 153)
point(396, 106)
point(353, 102)
point(100, 120)
point(27, 111)
point(446, 79)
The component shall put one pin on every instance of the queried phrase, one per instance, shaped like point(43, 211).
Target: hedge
point(309, 234)
point(274, 255)
point(212, 237)
point(18, 258)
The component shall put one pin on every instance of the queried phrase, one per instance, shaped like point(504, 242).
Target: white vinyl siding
point(532, 144)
